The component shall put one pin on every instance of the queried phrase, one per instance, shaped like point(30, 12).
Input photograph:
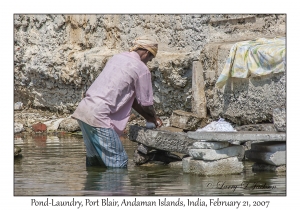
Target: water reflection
point(52, 165)
point(105, 181)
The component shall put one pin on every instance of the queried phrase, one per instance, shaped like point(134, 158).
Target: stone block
point(241, 136)
point(177, 164)
point(266, 167)
point(268, 146)
point(256, 127)
point(186, 120)
point(273, 158)
point(212, 154)
point(204, 167)
point(279, 119)
point(210, 145)
point(199, 99)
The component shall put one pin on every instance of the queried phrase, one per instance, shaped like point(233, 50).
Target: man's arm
point(147, 112)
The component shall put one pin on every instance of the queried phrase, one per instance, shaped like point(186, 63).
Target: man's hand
point(148, 113)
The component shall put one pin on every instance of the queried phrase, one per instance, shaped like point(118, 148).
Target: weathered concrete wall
point(242, 101)
point(57, 57)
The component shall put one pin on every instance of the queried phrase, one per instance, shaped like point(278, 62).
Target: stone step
point(241, 136)
point(212, 154)
point(268, 146)
point(210, 145)
point(267, 167)
point(272, 158)
point(204, 167)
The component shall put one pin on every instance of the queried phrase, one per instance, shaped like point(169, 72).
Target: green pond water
point(55, 166)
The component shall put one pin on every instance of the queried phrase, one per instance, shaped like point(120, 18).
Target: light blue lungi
point(103, 147)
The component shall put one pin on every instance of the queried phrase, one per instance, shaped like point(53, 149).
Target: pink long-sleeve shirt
point(109, 99)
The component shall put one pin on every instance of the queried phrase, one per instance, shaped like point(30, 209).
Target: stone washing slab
point(241, 136)
point(210, 145)
point(203, 167)
point(160, 139)
point(269, 146)
point(271, 158)
point(212, 154)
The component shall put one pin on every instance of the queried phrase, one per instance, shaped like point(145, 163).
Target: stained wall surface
point(57, 57)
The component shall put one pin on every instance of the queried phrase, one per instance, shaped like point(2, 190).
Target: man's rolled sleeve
point(144, 92)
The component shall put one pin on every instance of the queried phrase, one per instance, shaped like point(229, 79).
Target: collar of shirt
point(134, 54)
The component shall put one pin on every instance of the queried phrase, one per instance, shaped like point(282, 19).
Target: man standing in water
point(124, 83)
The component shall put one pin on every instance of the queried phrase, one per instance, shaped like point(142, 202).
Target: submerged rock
point(17, 150)
point(140, 158)
point(176, 164)
point(154, 156)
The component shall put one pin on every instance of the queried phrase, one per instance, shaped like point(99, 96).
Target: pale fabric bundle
point(220, 125)
point(145, 42)
point(256, 57)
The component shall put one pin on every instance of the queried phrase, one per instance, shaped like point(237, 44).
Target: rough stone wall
point(57, 57)
point(243, 101)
